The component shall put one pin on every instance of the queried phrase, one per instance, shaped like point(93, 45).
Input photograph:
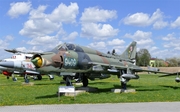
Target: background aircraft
point(84, 62)
point(19, 63)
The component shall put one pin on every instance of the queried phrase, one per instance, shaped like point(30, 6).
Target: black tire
point(39, 77)
point(68, 83)
point(85, 81)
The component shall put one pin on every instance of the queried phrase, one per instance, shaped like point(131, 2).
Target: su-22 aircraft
point(83, 62)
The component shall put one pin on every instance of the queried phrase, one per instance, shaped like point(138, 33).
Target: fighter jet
point(19, 63)
point(83, 62)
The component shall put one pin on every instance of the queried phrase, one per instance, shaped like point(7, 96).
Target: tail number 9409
point(70, 62)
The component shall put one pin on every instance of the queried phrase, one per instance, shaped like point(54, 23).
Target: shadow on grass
point(99, 83)
point(128, 86)
point(139, 88)
point(150, 89)
point(115, 86)
point(173, 87)
point(48, 84)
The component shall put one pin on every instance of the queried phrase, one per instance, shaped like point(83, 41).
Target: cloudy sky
point(40, 25)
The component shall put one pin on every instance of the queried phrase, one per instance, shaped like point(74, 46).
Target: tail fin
point(130, 52)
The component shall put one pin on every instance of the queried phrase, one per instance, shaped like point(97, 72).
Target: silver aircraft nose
point(9, 64)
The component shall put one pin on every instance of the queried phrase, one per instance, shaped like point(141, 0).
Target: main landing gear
point(82, 78)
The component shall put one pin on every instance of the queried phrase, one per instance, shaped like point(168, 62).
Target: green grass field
point(149, 88)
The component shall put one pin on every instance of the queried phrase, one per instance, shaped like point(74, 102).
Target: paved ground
point(126, 107)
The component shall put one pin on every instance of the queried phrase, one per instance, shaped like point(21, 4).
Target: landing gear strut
point(51, 77)
point(68, 81)
point(26, 78)
point(85, 81)
point(123, 83)
point(14, 78)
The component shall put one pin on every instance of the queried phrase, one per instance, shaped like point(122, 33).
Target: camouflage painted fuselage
point(80, 59)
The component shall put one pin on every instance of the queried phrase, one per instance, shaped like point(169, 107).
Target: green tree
point(173, 62)
point(143, 57)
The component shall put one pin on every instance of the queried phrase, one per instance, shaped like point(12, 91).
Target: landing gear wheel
point(123, 85)
point(26, 79)
point(68, 82)
point(39, 77)
point(14, 79)
point(51, 77)
point(85, 81)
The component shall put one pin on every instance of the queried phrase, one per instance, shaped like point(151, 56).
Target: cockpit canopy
point(67, 46)
point(76, 48)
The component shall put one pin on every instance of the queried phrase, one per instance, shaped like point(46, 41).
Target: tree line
point(143, 58)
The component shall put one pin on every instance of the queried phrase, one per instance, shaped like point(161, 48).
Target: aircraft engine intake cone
point(37, 62)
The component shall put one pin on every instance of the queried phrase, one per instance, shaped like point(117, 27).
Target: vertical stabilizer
point(130, 52)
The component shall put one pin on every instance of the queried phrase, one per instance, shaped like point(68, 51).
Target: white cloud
point(145, 43)
point(138, 35)
point(6, 41)
point(174, 44)
point(3, 44)
point(176, 23)
point(38, 13)
point(19, 8)
point(65, 13)
point(138, 19)
point(98, 45)
point(154, 48)
point(98, 31)
point(22, 49)
point(40, 27)
point(158, 53)
point(45, 41)
point(46, 28)
point(41, 24)
point(160, 24)
point(94, 14)
point(169, 37)
point(144, 19)
point(171, 42)
point(9, 38)
point(71, 36)
point(116, 42)
point(143, 39)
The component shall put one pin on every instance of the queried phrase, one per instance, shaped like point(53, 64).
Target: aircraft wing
point(143, 70)
point(170, 74)
point(107, 65)
point(116, 68)
point(16, 51)
point(11, 50)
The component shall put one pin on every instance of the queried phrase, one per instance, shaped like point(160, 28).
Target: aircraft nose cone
point(9, 64)
point(37, 62)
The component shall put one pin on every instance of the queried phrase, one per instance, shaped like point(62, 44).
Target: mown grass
point(149, 88)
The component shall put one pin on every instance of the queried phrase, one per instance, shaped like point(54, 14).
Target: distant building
point(154, 62)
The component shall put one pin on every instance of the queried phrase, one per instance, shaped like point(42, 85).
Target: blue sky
point(40, 25)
